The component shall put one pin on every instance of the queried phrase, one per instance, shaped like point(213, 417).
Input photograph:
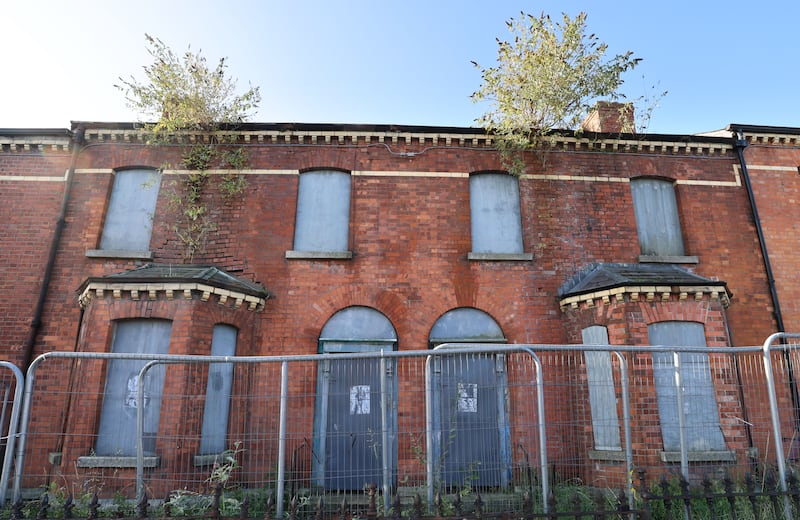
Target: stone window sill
point(116, 462)
point(119, 253)
point(653, 259)
point(699, 456)
point(607, 455)
point(209, 459)
point(319, 255)
point(503, 257)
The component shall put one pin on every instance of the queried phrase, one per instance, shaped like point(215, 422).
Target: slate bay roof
point(152, 278)
point(601, 280)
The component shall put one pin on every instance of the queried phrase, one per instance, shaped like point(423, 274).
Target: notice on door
point(359, 400)
point(468, 397)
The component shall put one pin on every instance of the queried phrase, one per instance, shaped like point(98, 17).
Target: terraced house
point(355, 242)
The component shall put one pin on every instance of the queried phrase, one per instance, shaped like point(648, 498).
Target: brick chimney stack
point(610, 117)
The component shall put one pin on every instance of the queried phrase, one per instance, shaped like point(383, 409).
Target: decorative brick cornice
point(653, 293)
point(170, 291)
point(773, 139)
point(33, 144)
point(308, 135)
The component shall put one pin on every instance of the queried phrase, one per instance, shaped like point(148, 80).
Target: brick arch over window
point(316, 313)
point(466, 325)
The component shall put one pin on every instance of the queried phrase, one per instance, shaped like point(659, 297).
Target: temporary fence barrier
point(11, 384)
point(463, 418)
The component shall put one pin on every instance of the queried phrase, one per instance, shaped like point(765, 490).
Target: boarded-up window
point(323, 212)
point(129, 219)
point(495, 214)
point(602, 398)
point(700, 412)
point(218, 393)
point(657, 222)
point(116, 435)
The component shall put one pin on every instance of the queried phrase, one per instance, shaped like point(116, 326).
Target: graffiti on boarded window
point(359, 400)
point(468, 397)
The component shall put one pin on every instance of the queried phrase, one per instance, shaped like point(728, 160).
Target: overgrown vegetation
point(547, 78)
point(665, 499)
point(182, 94)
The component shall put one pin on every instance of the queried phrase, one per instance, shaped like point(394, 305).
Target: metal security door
point(472, 419)
point(353, 443)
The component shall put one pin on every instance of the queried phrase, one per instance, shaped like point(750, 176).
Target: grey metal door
point(353, 444)
point(471, 406)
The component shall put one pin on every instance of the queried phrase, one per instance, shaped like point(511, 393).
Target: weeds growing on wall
point(183, 94)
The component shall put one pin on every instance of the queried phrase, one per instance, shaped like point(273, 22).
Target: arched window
point(357, 329)
point(466, 325)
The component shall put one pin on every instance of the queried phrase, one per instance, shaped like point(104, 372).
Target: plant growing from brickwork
point(183, 94)
point(547, 78)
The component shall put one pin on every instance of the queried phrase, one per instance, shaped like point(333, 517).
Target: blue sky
point(399, 62)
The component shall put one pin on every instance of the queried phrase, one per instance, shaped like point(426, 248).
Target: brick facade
point(409, 234)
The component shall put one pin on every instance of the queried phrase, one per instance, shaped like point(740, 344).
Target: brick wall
point(409, 233)
point(31, 190)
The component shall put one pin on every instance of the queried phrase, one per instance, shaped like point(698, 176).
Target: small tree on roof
point(547, 78)
point(184, 93)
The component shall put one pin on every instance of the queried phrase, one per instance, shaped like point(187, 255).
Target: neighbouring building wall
point(33, 170)
point(772, 158)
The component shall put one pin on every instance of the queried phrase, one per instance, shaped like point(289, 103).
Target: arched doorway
point(470, 417)
point(356, 403)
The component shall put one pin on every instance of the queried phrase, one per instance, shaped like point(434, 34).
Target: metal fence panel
point(11, 386)
point(488, 421)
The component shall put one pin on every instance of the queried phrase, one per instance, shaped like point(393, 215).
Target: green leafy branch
point(185, 94)
point(547, 78)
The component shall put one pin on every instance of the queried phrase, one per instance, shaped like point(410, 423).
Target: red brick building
point(412, 236)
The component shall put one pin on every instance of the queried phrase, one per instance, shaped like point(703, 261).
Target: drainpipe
point(741, 144)
point(36, 322)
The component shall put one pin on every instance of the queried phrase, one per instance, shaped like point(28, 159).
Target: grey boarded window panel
point(495, 215)
point(218, 392)
point(356, 323)
point(466, 324)
point(701, 414)
point(116, 434)
point(129, 219)
point(657, 221)
point(323, 211)
point(348, 420)
point(602, 398)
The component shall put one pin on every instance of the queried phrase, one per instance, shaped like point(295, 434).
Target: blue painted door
point(472, 422)
point(353, 444)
